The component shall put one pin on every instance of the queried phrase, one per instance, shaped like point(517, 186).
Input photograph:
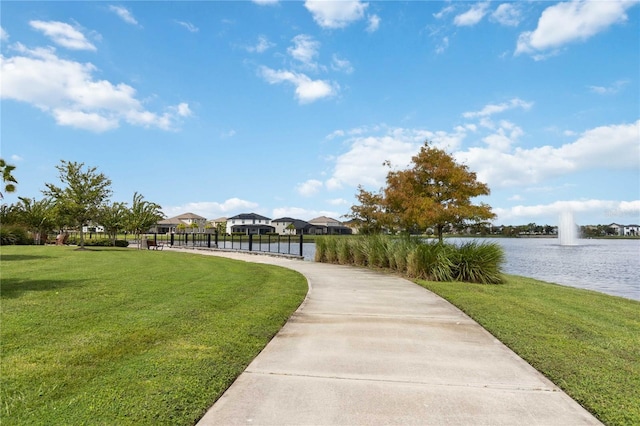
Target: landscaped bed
point(123, 336)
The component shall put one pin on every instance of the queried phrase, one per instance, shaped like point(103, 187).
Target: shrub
point(14, 235)
point(122, 243)
point(97, 242)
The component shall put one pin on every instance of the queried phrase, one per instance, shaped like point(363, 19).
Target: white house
point(249, 223)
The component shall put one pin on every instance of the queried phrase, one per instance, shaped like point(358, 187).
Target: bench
point(62, 239)
point(153, 245)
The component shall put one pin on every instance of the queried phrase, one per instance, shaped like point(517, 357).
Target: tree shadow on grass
point(15, 257)
point(12, 288)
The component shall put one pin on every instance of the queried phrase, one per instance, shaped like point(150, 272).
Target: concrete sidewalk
point(367, 348)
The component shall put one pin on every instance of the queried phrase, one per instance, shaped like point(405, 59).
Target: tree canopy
point(7, 177)
point(434, 192)
point(143, 215)
point(84, 192)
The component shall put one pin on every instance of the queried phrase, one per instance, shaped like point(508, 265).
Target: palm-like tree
point(142, 216)
point(7, 177)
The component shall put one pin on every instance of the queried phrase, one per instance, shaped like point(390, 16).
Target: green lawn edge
point(130, 337)
point(586, 342)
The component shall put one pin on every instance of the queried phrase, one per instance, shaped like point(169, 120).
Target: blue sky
point(283, 108)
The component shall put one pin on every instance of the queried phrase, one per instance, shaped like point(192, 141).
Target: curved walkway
point(367, 348)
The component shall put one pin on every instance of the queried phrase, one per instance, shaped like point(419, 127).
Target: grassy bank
point(121, 336)
point(586, 342)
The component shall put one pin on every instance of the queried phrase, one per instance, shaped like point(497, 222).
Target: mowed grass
point(586, 342)
point(121, 336)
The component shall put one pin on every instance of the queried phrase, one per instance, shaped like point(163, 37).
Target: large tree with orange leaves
point(435, 192)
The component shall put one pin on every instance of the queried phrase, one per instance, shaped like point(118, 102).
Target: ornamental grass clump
point(375, 249)
point(479, 263)
point(358, 250)
point(332, 250)
point(345, 255)
point(430, 260)
point(321, 250)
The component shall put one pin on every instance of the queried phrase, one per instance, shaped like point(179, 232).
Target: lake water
point(609, 266)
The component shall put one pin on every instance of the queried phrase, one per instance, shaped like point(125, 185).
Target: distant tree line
point(82, 198)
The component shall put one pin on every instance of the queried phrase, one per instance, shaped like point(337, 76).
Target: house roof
point(188, 216)
point(323, 220)
point(284, 219)
point(249, 216)
point(218, 220)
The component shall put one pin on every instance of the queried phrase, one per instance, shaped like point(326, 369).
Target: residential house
point(624, 230)
point(249, 223)
point(290, 226)
point(219, 224)
point(330, 226)
point(354, 225)
point(193, 223)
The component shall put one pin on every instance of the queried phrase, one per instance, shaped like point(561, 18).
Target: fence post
point(301, 240)
point(172, 239)
point(208, 240)
point(250, 242)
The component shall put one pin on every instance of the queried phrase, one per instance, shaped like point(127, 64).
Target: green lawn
point(587, 343)
point(121, 336)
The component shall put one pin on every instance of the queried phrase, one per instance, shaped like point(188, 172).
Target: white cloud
point(304, 50)
point(228, 134)
point(609, 90)
point(189, 26)
point(16, 158)
point(472, 16)
point(503, 137)
point(63, 34)
point(444, 44)
point(301, 213)
point(124, 14)
point(338, 202)
point(491, 109)
point(212, 209)
point(572, 21)
point(309, 188)
point(444, 11)
point(68, 91)
point(595, 148)
point(374, 23)
point(507, 14)
point(265, 2)
point(336, 14)
point(4, 36)
point(262, 45)
point(363, 161)
point(306, 89)
point(339, 64)
point(550, 213)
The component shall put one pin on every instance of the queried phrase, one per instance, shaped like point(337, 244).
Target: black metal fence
point(283, 244)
